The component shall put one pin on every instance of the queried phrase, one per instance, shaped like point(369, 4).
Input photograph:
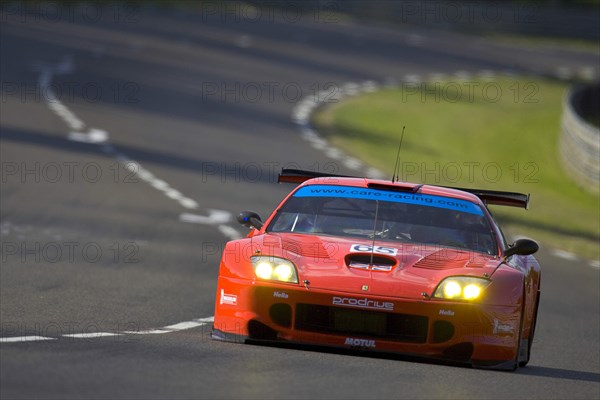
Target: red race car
point(383, 266)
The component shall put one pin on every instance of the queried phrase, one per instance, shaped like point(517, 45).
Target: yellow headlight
point(471, 291)
point(264, 270)
point(452, 289)
point(283, 272)
point(461, 288)
point(274, 269)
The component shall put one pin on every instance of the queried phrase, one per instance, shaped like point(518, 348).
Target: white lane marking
point(91, 335)
point(412, 78)
point(564, 73)
point(375, 173)
point(92, 136)
point(215, 217)
point(487, 74)
point(98, 136)
point(16, 339)
point(189, 324)
point(158, 184)
point(353, 163)
point(63, 112)
point(148, 332)
point(369, 86)
point(564, 254)
point(595, 264)
point(334, 153)
point(188, 203)
point(587, 73)
point(463, 75)
point(229, 232)
point(350, 88)
point(184, 325)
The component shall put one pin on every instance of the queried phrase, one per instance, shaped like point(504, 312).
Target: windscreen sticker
point(386, 195)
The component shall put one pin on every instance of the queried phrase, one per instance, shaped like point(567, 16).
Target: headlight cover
point(274, 269)
point(461, 288)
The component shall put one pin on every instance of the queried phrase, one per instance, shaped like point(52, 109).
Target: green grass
point(499, 135)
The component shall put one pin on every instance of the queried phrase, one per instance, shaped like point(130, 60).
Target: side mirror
point(522, 247)
point(250, 219)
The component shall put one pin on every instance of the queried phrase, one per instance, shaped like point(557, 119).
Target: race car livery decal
point(230, 299)
point(360, 342)
point(385, 195)
point(362, 303)
point(365, 248)
point(503, 329)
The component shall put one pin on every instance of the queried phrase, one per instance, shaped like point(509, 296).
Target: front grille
point(347, 321)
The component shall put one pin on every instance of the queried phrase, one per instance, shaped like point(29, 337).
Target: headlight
point(461, 288)
point(274, 269)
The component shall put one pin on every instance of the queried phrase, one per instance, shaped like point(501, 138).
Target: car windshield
point(388, 215)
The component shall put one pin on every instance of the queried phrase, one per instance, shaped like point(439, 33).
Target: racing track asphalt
point(89, 253)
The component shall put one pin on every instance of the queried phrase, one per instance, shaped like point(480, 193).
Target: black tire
point(531, 335)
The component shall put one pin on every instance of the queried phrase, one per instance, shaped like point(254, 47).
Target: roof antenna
point(395, 173)
point(374, 232)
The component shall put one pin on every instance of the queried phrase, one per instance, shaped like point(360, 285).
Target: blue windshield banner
point(387, 195)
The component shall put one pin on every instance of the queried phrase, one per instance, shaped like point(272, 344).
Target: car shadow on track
point(559, 373)
point(357, 353)
point(529, 370)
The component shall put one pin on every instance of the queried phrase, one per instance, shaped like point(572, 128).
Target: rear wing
point(498, 198)
point(494, 197)
point(299, 175)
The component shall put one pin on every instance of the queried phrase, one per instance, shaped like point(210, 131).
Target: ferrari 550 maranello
point(383, 266)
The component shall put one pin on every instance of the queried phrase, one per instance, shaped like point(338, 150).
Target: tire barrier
point(580, 140)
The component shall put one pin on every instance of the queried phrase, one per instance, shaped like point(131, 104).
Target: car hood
point(403, 270)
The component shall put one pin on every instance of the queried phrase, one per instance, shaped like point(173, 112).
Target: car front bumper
point(483, 335)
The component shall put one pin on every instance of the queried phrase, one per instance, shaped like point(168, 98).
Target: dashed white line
point(195, 323)
point(215, 217)
point(91, 335)
point(412, 78)
point(98, 136)
point(184, 325)
point(92, 136)
point(229, 232)
point(564, 73)
point(148, 332)
point(463, 75)
point(350, 88)
point(587, 73)
point(487, 74)
point(564, 254)
point(16, 339)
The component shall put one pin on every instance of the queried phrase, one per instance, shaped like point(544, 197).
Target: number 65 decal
point(365, 248)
